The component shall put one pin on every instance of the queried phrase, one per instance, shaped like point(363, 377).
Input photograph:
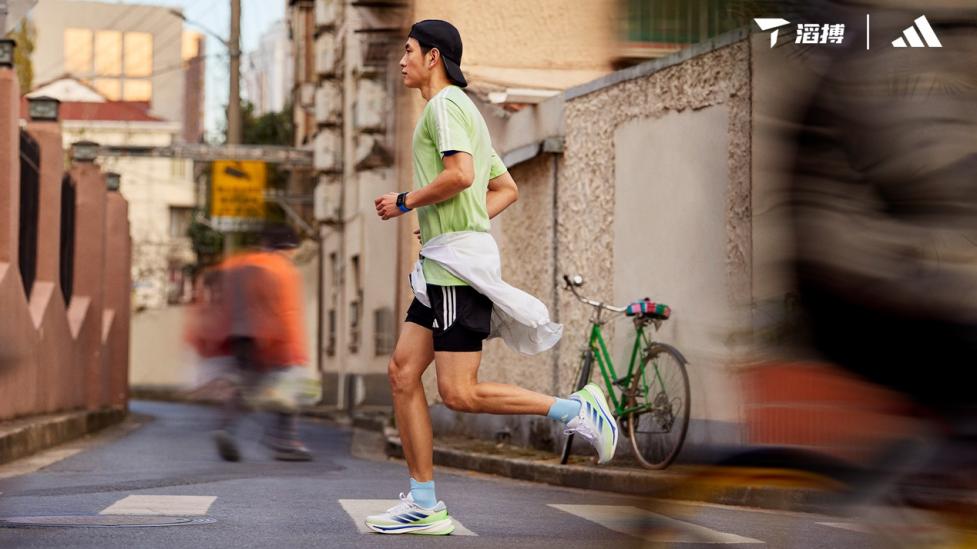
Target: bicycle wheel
point(661, 388)
point(586, 365)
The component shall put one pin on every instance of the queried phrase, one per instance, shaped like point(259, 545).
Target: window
point(678, 21)
point(383, 331)
point(78, 51)
point(137, 90)
point(180, 220)
point(138, 54)
point(108, 53)
point(30, 189)
point(117, 64)
point(331, 341)
point(356, 308)
point(111, 88)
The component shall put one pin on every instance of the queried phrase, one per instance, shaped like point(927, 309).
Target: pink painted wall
point(56, 356)
point(57, 387)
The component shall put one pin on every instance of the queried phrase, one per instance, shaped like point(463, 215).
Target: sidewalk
point(23, 437)
point(780, 490)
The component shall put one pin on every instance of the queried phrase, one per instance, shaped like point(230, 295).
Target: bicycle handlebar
point(570, 285)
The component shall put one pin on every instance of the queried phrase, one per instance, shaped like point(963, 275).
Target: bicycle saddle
point(646, 308)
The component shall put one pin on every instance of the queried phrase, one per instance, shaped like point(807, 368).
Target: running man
point(459, 184)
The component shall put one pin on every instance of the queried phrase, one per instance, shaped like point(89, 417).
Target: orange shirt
point(259, 296)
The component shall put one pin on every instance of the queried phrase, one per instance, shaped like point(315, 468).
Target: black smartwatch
point(401, 202)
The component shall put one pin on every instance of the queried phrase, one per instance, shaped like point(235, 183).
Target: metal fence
point(67, 251)
point(30, 198)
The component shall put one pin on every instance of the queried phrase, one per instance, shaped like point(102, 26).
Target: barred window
point(383, 331)
point(678, 21)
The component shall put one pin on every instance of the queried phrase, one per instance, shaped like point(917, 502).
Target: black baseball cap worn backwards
point(435, 33)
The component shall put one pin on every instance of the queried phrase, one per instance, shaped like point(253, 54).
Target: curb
point(23, 437)
point(680, 484)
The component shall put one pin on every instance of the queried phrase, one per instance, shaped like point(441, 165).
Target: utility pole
point(234, 97)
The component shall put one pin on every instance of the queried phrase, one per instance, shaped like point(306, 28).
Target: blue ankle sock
point(564, 410)
point(423, 493)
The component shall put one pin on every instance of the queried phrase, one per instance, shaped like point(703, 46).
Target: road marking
point(161, 505)
point(36, 462)
point(359, 509)
point(851, 526)
point(650, 526)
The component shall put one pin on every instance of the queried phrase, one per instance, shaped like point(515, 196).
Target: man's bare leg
point(461, 391)
point(412, 356)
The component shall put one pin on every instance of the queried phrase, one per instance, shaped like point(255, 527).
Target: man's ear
point(435, 54)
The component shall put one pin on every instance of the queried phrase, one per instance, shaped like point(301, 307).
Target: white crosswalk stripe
point(359, 509)
point(851, 526)
point(650, 526)
point(161, 505)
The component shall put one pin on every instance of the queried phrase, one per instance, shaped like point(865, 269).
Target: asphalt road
point(166, 470)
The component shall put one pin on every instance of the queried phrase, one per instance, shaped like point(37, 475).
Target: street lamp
point(7, 52)
point(113, 181)
point(43, 108)
point(84, 151)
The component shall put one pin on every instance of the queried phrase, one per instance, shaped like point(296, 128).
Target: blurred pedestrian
point(261, 312)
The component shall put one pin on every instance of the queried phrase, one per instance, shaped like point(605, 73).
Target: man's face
point(414, 65)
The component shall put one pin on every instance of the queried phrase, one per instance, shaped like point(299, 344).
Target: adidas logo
point(915, 41)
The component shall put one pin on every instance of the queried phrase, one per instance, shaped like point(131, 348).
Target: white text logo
point(915, 41)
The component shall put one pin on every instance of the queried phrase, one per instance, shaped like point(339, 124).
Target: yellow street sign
point(238, 192)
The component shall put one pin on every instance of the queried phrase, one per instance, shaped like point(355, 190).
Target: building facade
point(127, 52)
point(160, 191)
point(195, 66)
point(267, 74)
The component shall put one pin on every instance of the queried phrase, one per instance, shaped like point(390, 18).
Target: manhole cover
point(99, 521)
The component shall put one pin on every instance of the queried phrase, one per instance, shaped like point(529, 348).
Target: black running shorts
point(460, 317)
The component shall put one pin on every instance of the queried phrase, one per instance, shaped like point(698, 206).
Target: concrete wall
point(56, 356)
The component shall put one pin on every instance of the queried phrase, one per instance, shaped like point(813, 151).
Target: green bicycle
point(651, 402)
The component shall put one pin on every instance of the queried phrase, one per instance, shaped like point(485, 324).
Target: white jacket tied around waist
point(520, 319)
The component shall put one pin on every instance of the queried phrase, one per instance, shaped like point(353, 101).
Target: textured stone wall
point(586, 184)
point(526, 244)
point(524, 232)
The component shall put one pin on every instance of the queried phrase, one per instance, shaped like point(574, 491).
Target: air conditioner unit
point(326, 13)
point(371, 105)
point(328, 103)
point(307, 95)
point(328, 151)
point(326, 200)
point(326, 54)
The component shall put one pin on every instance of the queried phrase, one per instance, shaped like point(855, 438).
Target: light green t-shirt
point(451, 122)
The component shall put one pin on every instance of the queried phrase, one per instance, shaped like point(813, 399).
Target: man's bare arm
point(502, 192)
point(458, 175)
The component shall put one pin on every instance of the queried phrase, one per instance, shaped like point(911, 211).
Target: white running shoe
point(408, 517)
point(595, 422)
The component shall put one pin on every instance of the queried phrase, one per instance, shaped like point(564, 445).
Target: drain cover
point(99, 521)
